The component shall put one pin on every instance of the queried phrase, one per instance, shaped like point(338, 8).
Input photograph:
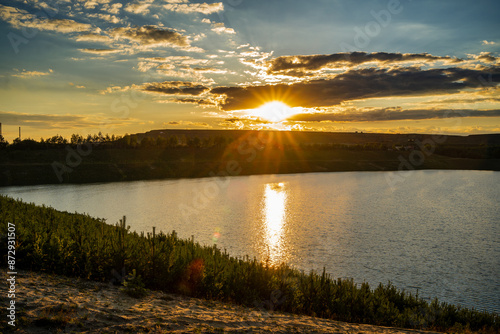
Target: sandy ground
point(58, 304)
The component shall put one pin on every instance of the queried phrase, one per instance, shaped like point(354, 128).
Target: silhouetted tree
point(161, 142)
point(173, 141)
point(3, 142)
point(194, 142)
point(76, 139)
point(220, 141)
point(147, 142)
point(57, 139)
point(134, 141)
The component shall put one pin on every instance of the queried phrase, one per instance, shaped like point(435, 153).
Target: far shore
point(174, 154)
point(118, 165)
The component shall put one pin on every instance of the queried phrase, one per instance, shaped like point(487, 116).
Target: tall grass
point(79, 245)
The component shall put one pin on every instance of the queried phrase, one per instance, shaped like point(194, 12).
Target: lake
point(437, 232)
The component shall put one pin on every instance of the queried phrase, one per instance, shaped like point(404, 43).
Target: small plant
point(134, 286)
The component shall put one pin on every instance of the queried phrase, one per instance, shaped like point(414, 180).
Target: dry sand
point(58, 304)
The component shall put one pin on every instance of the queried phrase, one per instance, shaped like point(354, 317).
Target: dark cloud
point(358, 84)
point(149, 35)
point(51, 121)
point(299, 65)
point(393, 114)
point(189, 124)
point(487, 57)
point(175, 88)
point(247, 120)
point(194, 101)
point(100, 51)
point(465, 100)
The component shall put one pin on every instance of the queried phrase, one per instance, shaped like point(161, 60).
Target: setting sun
point(275, 111)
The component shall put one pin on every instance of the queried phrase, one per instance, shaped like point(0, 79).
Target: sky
point(117, 67)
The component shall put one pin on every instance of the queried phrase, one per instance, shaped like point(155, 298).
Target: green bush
point(134, 286)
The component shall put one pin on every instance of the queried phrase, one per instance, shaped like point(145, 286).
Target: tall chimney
point(0, 129)
point(19, 133)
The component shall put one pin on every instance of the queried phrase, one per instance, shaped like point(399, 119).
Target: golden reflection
point(274, 210)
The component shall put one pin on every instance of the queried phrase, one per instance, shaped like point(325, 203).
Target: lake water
point(435, 231)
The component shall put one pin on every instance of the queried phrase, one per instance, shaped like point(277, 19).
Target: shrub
point(134, 286)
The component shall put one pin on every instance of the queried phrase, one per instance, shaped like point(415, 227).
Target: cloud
point(188, 124)
point(76, 86)
point(52, 121)
point(219, 28)
point(357, 84)
point(149, 35)
point(91, 4)
point(113, 9)
point(187, 8)
point(485, 42)
point(19, 18)
point(300, 65)
point(201, 102)
point(185, 68)
point(175, 88)
point(118, 89)
point(101, 51)
point(105, 17)
point(62, 25)
point(93, 38)
point(489, 95)
point(210, 70)
point(139, 7)
point(30, 74)
point(486, 57)
point(393, 114)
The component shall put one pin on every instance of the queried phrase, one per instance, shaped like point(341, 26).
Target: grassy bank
point(82, 246)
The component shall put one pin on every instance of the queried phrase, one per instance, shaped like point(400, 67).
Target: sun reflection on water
point(274, 211)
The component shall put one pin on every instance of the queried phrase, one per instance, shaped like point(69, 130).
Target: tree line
point(58, 140)
point(150, 142)
point(114, 141)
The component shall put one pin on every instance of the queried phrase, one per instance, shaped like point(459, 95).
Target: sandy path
point(58, 304)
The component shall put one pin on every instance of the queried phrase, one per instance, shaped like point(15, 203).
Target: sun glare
point(275, 111)
point(274, 208)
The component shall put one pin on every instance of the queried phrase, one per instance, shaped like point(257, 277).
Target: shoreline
point(240, 175)
point(53, 303)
